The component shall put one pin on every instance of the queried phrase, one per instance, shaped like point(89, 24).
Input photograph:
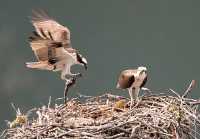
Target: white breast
point(66, 60)
point(139, 80)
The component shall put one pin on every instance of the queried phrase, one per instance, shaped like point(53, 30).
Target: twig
point(49, 103)
point(96, 117)
point(115, 136)
point(190, 87)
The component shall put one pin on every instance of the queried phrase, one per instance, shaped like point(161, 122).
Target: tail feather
point(39, 65)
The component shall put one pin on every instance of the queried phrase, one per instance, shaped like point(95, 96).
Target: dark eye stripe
point(79, 58)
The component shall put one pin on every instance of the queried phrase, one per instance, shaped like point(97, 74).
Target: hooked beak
point(85, 64)
point(81, 60)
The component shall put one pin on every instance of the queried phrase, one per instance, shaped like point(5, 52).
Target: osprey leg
point(75, 75)
point(133, 92)
point(68, 84)
point(131, 96)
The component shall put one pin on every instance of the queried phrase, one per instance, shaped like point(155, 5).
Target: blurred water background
point(163, 35)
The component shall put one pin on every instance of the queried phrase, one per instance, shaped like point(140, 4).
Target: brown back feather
point(126, 79)
point(44, 49)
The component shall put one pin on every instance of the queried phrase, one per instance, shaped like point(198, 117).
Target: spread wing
point(46, 50)
point(46, 27)
point(51, 55)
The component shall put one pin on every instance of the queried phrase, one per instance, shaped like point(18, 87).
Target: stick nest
point(160, 116)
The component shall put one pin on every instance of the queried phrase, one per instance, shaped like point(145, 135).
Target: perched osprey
point(133, 80)
point(52, 47)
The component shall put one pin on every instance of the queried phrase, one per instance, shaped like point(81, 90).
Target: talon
point(78, 75)
point(72, 81)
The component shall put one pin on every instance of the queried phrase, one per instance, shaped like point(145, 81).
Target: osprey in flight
point(133, 80)
point(52, 47)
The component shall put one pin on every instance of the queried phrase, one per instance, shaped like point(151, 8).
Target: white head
point(142, 68)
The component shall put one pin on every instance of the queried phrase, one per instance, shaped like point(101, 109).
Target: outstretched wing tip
point(47, 28)
point(39, 15)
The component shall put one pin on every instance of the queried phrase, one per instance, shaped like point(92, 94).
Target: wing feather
point(45, 49)
point(50, 43)
point(47, 27)
point(126, 78)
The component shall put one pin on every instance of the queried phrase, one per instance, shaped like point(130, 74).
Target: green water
point(114, 35)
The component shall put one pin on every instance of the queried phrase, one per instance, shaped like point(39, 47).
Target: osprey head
point(142, 69)
point(81, 60)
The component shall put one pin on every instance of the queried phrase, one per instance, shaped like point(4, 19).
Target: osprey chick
point(133, 80)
